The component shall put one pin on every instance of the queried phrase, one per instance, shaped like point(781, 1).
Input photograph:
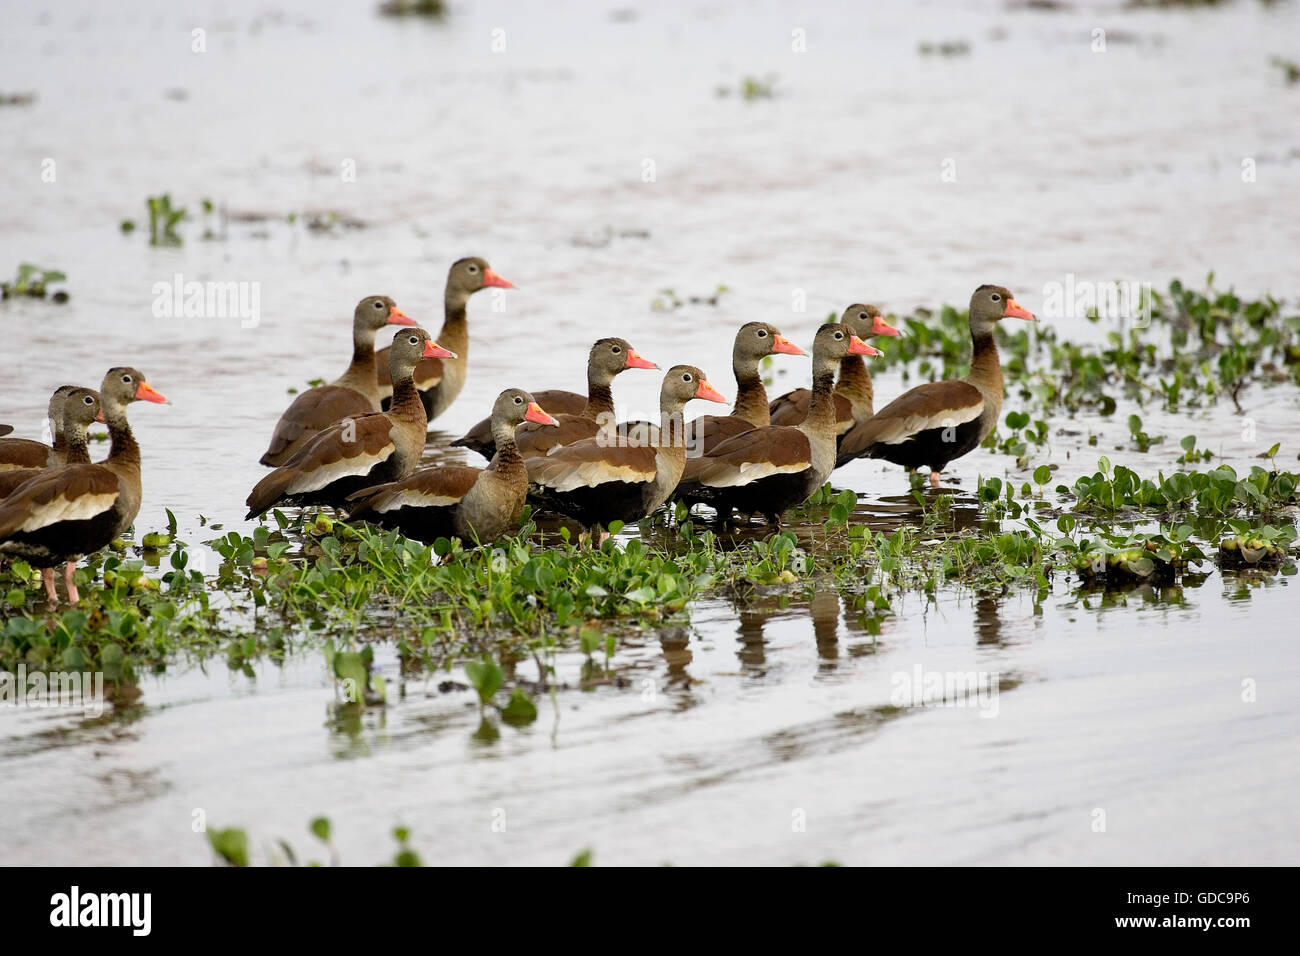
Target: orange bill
point(491, 278)
point(1016, 310)
point(709, 393)
point(145, 392)
point(397, 317)
point(859, 347)
point(636, 361)
point(881, 327)
point(535, 414)
point(433, 350)
point(783, 345)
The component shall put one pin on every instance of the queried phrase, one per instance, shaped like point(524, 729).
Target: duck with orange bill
point(769, 470)
point(599, 480)
point(439, 380)
point(74, 510)
point(476, 505)
point(353, 393)
point(938, 422)
point(358, 452)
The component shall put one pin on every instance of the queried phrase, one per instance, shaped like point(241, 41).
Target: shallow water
point(1123, 164)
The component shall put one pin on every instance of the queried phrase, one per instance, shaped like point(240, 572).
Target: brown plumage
point(26, 453)
point(608, 357)
point(72, 510)
point(353, 393)
point(595, 482)
point(79, 407)
point(438, 381)
point(854, 393)
point(474, 504)
point(754, 342)
point(938, 422)
point(357, 452)
point(770, 469)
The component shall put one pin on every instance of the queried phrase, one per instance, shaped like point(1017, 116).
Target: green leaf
point(486, 678)
point(321, 828)
point(231, 845)
point(582, 859)
point(520, 709)
point(1042, 475)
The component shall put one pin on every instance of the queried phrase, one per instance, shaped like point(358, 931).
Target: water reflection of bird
point(825, 611)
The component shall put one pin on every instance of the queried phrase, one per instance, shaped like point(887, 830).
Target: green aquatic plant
point(34, 282)
point(163, 220)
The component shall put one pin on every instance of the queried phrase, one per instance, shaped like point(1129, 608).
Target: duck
point(939, 422)
point(596, 482)
point(772, 469)
point(754, 342)
point(608, 357)
point(80, 407)
point(477, 505)
point(854, 393)
point(357, 452)
point(26, 453)
point(73, 510)
point(440, 382)
point(353, 393)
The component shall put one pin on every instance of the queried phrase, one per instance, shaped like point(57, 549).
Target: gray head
point(989, 305)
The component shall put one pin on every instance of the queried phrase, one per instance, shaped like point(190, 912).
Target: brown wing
point(310, 413)
point(22, 453)
point(706, 433)
point(535, 440)
point(13, 479)
point(557, 401)
point(71, 493)
point(792, 408)
point(588, 463)
point(347, 448)
point(757, 453)
point(431, 488)
point(427, 374)
point(933, 405)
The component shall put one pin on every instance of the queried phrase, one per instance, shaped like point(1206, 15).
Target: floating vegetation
point(944, 48)
point(667, 300)
point(752, 88)
point(413, 8)
point(17, 99)
point(1290, 69)
point(34, 282)
point(163, 220)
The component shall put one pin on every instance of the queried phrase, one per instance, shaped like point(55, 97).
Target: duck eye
point(862, 315)
point(88, 400)
point(686, 377)
point(473, 268)
point(518, 400)
point(126, 379)
point(839, 335)
point(413, 340)
point(617, 350)
point(762, 333)
point(996, 297)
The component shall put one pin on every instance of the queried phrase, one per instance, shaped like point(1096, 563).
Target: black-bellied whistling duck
point(27, 453)
point(754, 342)
point(353, 393)
point(608, 357)
point(854, 394)
point(80, 407)
point(937, 422)
point(356, 452)
point(768, 470)
point(438, 381)
point(73, 510)
point(595, 482)
point(474, 504)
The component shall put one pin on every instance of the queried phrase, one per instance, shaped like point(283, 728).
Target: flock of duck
point(355, 444)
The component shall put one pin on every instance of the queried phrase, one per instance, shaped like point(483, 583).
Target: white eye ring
point(126, 379)
point(839, 335)
point(88, 400)
point(617, 350)
point(413, 340)
point(378, 304)
point(762, 333)
point(473, 268)
point(996, 297)
point(518, 400)
point(686, 376)
point(862, 315)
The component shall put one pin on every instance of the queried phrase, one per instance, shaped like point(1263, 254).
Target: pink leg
point(68, 569)
point(934, 479)
point(47, 576)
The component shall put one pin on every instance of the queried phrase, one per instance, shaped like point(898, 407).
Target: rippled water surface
point(765, 732)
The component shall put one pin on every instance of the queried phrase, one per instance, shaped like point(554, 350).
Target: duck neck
point(855, 385)
point(672, 428)
point(124, 451)
point(821, 407)
point(407, 407)
point(360, 374)
point(454, 334)
point(600, 399)
point(507, 457)
point(751, 396)
point(985, 367)
point(75, 448)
